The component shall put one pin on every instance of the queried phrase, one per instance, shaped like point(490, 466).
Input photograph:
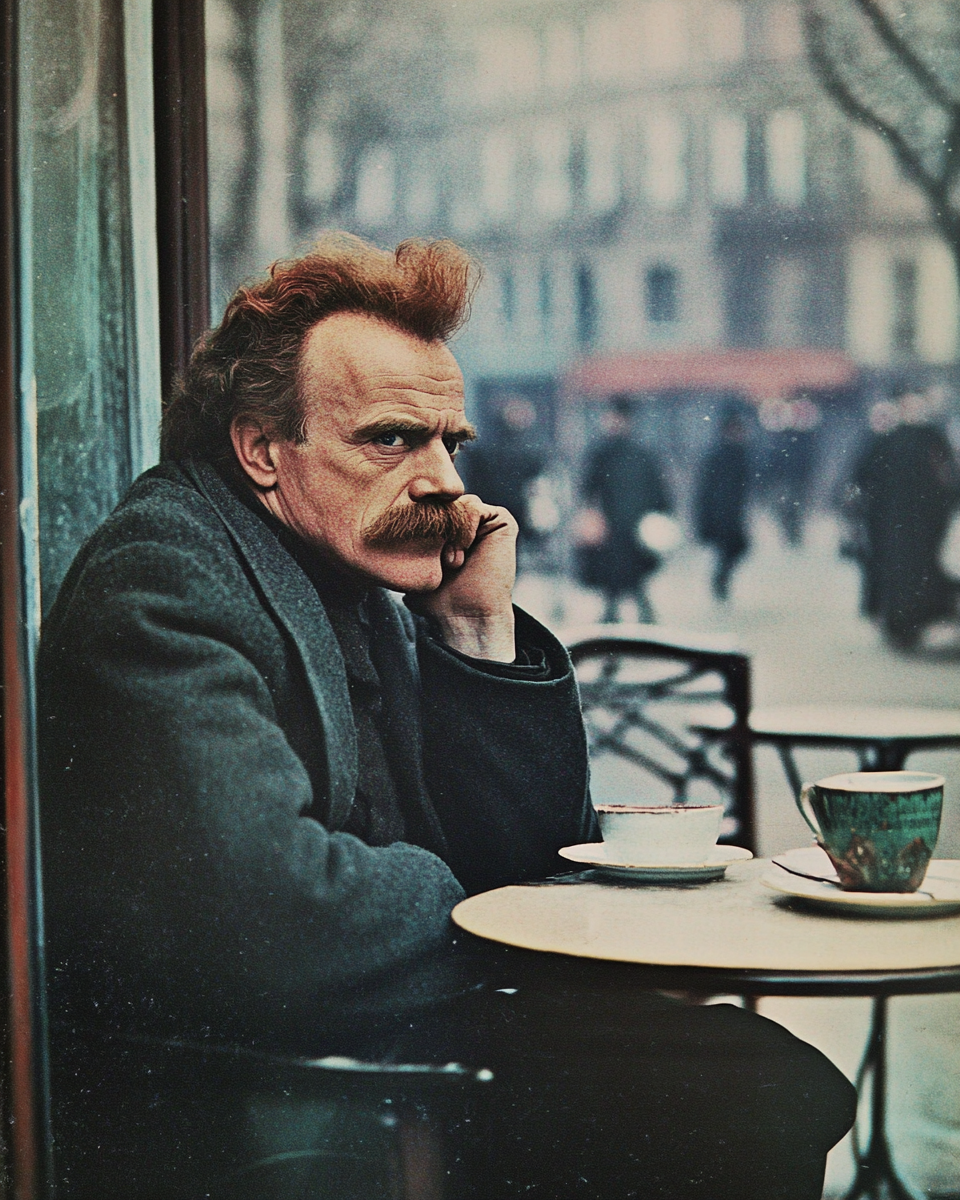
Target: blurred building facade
point(641, 175)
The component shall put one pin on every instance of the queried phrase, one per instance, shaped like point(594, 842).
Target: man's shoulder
point(161, 534)
point(162, 503)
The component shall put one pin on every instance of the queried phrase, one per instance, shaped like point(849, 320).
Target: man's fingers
point(453, 556)
point(484, 520)
point(497, 519)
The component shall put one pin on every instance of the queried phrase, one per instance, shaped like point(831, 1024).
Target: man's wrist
point(488, 637)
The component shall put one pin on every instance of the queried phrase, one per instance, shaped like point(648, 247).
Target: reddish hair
point(249, 366)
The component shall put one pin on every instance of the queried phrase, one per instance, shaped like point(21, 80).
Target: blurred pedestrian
point(791, 458)
point(720, 502)
point(904, 489)
point(622, 483)
point(505, 466)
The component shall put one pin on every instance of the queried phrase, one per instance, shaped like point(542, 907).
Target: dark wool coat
point(720, 503)
point(624, 481)
point(198, 758)
point(906, 488)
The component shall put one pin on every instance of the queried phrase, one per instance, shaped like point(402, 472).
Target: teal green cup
point(878, 827)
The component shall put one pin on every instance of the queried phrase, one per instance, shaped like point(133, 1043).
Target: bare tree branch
point(904, 52)
point(838, 88)
point(951, 154)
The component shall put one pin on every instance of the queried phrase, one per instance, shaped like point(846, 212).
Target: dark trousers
point(604, 1090)
point(728, 555)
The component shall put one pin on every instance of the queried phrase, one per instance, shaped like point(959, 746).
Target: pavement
point(795, 611)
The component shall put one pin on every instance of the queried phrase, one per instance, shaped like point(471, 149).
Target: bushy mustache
point(422, 521)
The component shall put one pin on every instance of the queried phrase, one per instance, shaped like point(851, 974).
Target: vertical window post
point(180, 107)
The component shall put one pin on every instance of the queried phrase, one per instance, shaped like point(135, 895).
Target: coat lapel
point(294, 602)
point(395, 657)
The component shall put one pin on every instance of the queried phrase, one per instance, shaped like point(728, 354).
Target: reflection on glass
point(89, 351)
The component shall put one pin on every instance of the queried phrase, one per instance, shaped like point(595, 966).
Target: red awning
point(757, 374)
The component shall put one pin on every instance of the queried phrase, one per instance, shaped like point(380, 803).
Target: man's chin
point(409, 570)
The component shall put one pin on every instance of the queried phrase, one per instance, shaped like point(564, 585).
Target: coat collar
point(294, 602)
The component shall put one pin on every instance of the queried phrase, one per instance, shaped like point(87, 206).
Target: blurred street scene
point(680, 229)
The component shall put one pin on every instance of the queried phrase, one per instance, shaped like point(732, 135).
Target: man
point(265, 784)
point(504, 468)
point(903, 490)
point(720, 504)
point(622, 482)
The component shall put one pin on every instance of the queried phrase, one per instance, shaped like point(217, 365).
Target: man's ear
point(253, 447)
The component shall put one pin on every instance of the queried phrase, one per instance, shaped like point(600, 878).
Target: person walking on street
point(903, 491)
point(507, 464)
point(720, 504)
point(622, 483)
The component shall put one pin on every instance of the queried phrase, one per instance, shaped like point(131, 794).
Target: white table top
point(850, 722)
point(733, 923)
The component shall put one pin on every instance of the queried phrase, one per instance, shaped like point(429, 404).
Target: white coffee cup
point(665, 834)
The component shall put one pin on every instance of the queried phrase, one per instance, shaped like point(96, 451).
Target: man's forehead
point(367, 361)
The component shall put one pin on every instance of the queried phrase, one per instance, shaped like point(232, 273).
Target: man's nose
point(435, 475)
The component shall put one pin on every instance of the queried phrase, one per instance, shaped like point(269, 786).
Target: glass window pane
point(88, 334)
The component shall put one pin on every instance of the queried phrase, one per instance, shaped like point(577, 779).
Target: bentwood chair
point(172, 1120)
point(667, 719)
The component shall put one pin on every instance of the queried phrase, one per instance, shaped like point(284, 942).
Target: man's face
point(384, 422)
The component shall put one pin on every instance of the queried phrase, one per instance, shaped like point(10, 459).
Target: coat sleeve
point(182, 868)
point(505, 762)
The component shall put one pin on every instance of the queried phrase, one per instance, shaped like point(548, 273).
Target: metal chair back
point(667, 719)
point(175, 1120)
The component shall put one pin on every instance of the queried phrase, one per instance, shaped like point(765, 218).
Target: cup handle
point(806, 809)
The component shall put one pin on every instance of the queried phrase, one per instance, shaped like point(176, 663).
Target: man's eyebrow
point(384, 425)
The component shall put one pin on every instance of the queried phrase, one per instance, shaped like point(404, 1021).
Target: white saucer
point(939, 893)
point(594, 854)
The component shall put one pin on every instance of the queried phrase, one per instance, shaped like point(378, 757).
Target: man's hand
point(474, 604)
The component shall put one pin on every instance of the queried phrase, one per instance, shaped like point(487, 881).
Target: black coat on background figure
point(623, 481)
point(720, 503)
point(905, 487)
point(501, 471)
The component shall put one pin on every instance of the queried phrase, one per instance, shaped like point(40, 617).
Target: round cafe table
point(882, 738)
point(736, 935)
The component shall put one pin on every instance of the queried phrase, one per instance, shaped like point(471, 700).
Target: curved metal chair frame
point(675, 707)
point(182, 1120)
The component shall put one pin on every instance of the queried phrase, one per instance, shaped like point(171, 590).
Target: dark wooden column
point(25, 1129)
point(180, 122)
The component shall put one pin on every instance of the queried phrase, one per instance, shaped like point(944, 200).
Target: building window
point(321, 165)
point(786, 157)
point(725, 33)
point(904, 307)
point(603, 46)
point(728, 159)
point(376, 186)
point(421, 191)
point(661, 294)
point(784, 33)
point(508, 297)
point(665, 180)
point(545, 296)
point(664, 35)
point(561, 56)
point(586, 310)
point(498, 162)
point(601, 166)
point(787, 296)
point(507, 59)
point(551, 189)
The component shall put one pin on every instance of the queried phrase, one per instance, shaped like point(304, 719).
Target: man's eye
point(453, 446)
point(391, 440)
